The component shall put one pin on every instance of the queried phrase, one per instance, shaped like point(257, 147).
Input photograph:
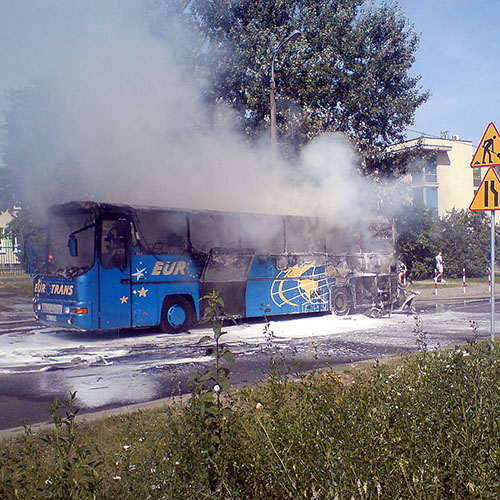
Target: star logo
point(142, 292)
point(139, 274)
point(123, 300)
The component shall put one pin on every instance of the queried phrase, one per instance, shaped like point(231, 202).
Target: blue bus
point(115, 266)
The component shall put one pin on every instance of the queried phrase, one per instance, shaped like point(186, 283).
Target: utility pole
point(274, 132)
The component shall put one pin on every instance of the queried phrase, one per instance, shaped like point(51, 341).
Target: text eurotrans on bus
point(116, 266)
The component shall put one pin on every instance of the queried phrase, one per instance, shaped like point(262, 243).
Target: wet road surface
point(109, 370)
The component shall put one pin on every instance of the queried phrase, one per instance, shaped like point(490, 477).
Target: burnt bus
point(118, 266)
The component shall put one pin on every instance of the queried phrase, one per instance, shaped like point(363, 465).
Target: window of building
point(430, 173)
point(427, 197)
point(431, 199)
point(426, 171)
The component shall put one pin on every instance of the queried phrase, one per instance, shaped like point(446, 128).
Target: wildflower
point(48, 481)
point(259, 406)
point(126, 447)
point(465, 354)
point(177, 463)
point(132, 467)
point(216, 388)
point(117, 478)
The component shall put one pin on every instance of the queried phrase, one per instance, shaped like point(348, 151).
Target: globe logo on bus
point(298, 284)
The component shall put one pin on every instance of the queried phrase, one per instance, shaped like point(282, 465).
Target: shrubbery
point(462, 236)
point(426, 426)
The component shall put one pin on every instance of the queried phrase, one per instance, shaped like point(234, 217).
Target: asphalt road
point(109, 371)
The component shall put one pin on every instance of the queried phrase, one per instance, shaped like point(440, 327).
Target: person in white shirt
point(439, 268)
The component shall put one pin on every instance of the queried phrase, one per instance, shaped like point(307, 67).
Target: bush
point(462, 236)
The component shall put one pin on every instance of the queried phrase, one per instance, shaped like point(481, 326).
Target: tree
point(417, 237)
point(36, 167)
point(348, 72)
point(462, 236)
point(465, 240)
point(31, 238)
point(37, 164)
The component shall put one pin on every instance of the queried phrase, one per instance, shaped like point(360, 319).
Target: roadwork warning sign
point(488, 152)
point(488, 194)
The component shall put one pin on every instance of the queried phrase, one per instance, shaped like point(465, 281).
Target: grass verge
point(22, 285)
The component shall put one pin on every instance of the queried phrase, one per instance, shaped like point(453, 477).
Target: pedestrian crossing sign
point(487, 196)
point(488, 152)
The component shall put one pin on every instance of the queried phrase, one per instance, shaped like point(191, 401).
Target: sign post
point(492, 265)
point(487, 199)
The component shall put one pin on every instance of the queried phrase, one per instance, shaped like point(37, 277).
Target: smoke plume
point(99, 107)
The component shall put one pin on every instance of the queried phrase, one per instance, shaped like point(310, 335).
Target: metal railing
point(9, 258)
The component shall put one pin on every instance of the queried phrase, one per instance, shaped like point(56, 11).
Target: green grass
point(424, 426)
point(22, 285)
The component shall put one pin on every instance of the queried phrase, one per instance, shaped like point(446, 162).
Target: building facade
point(442, 179)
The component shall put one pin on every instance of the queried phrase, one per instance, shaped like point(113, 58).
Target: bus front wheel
point(341, 301)
point(177, 315)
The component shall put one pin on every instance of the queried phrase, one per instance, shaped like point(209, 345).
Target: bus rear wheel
point(177, 315)
point(341, 301)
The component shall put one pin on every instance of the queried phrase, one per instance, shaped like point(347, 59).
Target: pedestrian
point(439, 268)
point(402, 270)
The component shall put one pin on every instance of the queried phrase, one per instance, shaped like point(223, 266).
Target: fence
point(10, 264)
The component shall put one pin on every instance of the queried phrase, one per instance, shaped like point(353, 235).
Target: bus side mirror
point(73, 245)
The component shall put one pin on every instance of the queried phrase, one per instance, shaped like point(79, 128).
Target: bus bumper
point(75, 316)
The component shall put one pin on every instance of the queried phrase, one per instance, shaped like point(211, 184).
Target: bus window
point(263, 233)
point(304, 234)
point(214, 230)
point(81, 224)
point(162, 231)
point(113, 244)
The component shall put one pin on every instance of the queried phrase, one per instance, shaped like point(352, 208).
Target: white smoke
point(121, 120)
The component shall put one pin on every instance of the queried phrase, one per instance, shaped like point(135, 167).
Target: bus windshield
point(80, 226)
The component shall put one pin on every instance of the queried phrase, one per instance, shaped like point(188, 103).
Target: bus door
point(226, 271)
point(114, 274)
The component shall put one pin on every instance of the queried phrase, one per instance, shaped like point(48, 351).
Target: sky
point(458, 59)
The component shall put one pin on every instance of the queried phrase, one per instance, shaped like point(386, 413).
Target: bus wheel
point(177, 314)
point(341, 302)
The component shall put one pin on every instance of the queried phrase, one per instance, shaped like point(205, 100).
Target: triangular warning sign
point(488, 194)
point(488, 152)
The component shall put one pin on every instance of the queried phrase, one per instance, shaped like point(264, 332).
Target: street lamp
point(274, 140)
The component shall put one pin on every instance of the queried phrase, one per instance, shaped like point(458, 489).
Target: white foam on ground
point(107, 370)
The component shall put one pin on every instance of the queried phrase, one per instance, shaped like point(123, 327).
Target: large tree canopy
point(348, 72)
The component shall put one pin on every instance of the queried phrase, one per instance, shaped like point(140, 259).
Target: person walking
point(439, 268)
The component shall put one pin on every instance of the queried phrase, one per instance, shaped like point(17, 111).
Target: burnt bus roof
point(89, 206)
point(116, 208)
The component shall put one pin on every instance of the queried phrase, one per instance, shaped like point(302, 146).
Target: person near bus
point(402, 270)
point(439, 268)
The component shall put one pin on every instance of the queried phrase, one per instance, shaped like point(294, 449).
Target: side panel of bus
point(290, 288)
point(155, 277)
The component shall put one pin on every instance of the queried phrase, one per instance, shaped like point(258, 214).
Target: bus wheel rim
point(176, 316)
